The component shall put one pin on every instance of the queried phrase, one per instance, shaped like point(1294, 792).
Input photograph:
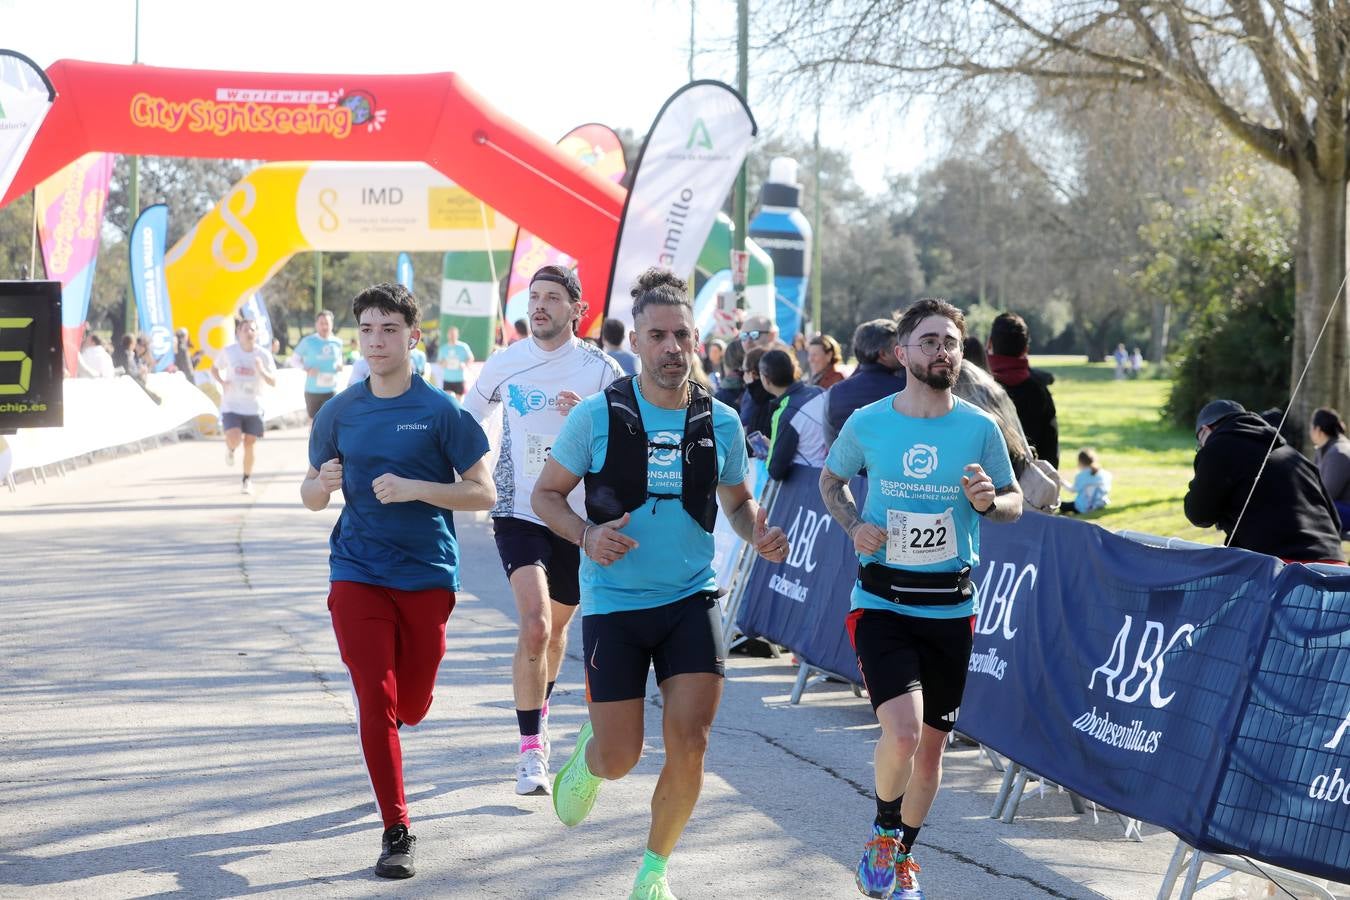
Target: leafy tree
point(1272, 74)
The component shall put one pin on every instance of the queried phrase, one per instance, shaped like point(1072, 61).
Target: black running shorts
point(314, 401)
point(900, 654)
point(677, 639)
point(247, 424)
point(453, 387)
point(524, 543)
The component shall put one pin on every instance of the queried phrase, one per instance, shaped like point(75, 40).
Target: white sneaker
point(532, 772)
point(246, 487)
point(229, 456)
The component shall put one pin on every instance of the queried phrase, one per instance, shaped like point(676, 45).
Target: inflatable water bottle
point(781, 229)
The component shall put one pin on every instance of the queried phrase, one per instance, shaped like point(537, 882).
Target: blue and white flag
point(405, 271)
point(148, 237)
point(256, 310)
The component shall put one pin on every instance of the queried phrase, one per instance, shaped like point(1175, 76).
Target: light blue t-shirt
point(423, 434)
point(453, 358)
point(1091, 490)
point(324, 354)
point(914, 468)
point(673, 558)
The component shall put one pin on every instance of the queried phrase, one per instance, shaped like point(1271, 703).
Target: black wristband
point(981, 512)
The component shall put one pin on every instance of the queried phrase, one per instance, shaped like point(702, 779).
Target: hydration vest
point(621, 484)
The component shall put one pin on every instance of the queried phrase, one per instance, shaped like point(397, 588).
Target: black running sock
point(549, 693)
point(909, 834)
point(528, 720)
point(888, 813)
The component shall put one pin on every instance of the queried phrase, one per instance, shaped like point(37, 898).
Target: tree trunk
point(1319, 273)
point(1157, 341)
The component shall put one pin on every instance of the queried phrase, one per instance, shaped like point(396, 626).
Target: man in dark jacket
point(1009, 341)
point(879, 374)
point(1289, 515)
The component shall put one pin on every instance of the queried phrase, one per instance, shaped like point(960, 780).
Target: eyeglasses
point(751, 335)
point(929, 345)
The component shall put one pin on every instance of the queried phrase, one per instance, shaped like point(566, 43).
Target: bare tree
point(1274, 73)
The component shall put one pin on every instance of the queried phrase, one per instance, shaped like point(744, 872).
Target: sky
point(549, 64)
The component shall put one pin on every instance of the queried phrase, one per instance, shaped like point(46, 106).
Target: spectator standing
point(612, 335)
point(758, 331)
point(800, 352)
point(95, 360)
point(1009, 342)
point(778, 373)
point(1333, 459)
point(1091, 486)
point(1136, 363)
point(757, 402)
point(1289, 513)
point(714, 351)
point(733, 376)
point(879, 374)
point(1122, 358)
point(973, 351)
point(823, 356)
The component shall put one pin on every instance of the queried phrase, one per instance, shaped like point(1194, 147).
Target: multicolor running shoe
point(906, 878)
point(876, 875)
point(575, 787)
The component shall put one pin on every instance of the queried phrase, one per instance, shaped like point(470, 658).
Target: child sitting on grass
point(1091, 486)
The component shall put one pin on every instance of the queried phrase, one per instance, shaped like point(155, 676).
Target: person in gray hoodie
point(1289, 514)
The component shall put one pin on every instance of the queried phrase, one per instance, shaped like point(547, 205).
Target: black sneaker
point(396, 859)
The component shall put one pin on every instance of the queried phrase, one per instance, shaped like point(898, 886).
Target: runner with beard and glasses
point(536, 382)
point(935, 465)
point(657, 454)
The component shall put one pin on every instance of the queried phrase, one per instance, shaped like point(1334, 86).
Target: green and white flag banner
point(684, 173)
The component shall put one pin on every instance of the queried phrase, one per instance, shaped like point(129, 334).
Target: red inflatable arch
point(437, 119)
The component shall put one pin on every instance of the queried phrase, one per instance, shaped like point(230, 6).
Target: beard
point(666, 379)
point(940, 380)
point(551, 330)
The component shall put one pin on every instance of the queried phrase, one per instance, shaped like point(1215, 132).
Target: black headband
point(569, 284)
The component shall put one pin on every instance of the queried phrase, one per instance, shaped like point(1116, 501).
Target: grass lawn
point(1151, 460)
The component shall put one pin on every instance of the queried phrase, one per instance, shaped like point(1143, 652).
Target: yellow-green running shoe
point(652, 887)
point(575, 787)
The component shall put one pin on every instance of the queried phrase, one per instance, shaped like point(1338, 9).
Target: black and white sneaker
point(396, 858)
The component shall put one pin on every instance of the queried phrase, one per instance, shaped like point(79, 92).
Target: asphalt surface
point(174, 718)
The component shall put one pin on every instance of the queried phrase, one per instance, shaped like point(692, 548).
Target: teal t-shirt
point(324, 354)
point(673, 558)
point(453, 359)
point(914, 468)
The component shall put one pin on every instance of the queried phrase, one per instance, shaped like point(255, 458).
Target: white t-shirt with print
point(243, 384)
point(524, 379)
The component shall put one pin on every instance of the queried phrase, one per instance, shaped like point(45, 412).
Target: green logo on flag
point(699, 135)
point(464, 299)
point(2, 111)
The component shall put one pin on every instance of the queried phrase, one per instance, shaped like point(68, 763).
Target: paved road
point(174, 718)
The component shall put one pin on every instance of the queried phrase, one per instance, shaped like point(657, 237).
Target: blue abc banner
point(1206, 691)
point(148, 237)
point(803, 601)
point(1111, 667)
point(405, 271)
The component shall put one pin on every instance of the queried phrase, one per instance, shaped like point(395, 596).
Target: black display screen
point(30, 354)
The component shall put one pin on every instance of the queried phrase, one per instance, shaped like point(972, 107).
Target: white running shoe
point(229, 456)
point(532, 772)
point(246, 487)
point(543, 739)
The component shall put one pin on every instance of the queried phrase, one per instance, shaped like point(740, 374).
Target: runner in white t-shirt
point(536, 382)
point(242, 369)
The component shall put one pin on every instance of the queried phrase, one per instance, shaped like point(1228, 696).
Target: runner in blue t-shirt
point(935, 464)
point(454, 357)
point(320, 355)
point(658, 454)
point(393, 444)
